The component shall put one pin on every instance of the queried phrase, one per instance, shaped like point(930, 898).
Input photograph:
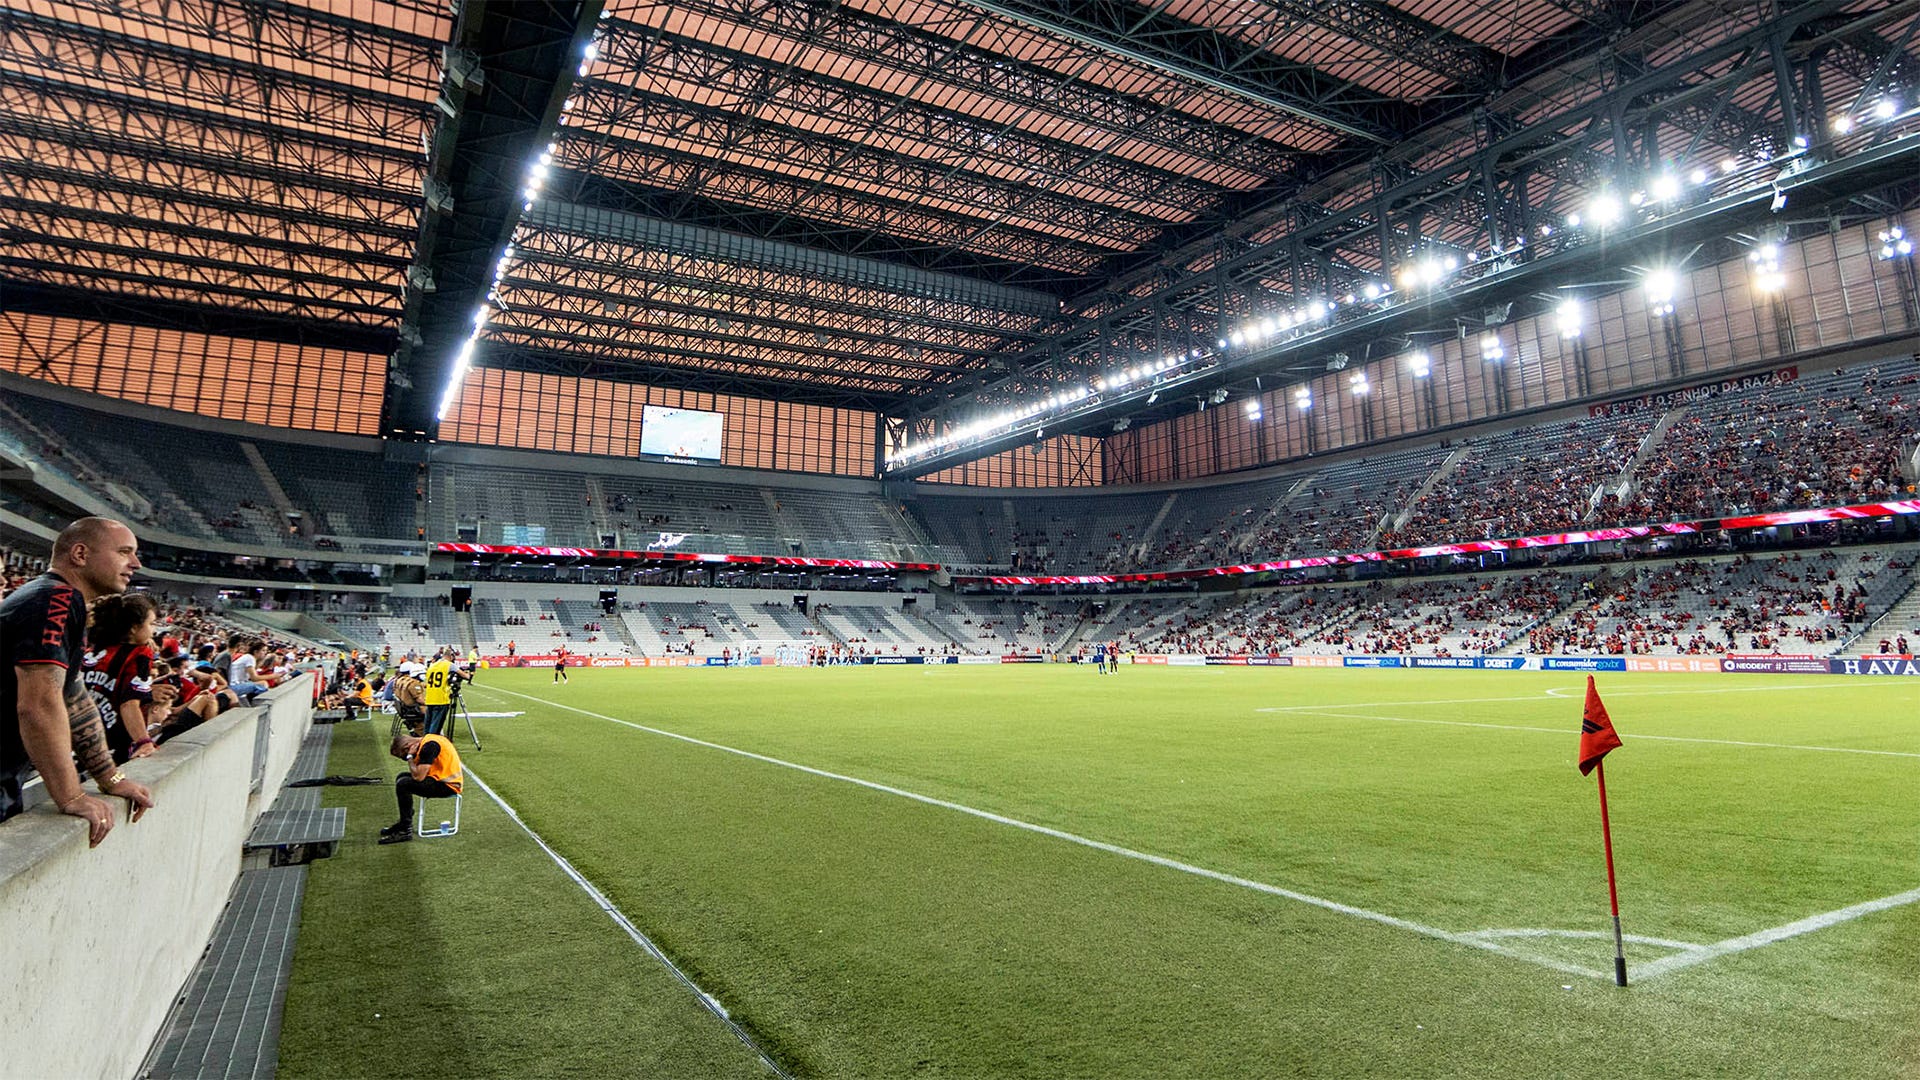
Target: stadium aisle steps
point(226, 1021)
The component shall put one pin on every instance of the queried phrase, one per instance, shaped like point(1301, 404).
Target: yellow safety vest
point(446, 767)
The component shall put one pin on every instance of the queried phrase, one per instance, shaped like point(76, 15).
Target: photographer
point(442, 679)
point(433, 772)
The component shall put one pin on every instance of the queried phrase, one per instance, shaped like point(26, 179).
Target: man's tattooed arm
point(89, 734)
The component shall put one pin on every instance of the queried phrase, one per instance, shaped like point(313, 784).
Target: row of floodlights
point(537, 174)
point(1659, 286)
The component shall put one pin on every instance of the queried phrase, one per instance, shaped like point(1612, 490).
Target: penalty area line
point(1470, 940)
point(600, 900)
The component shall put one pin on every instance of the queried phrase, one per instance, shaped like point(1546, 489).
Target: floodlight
point(1660, 285)
point(1571, 316)
point(1604, 210)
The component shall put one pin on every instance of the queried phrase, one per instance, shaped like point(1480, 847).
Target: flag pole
point(1613, 890)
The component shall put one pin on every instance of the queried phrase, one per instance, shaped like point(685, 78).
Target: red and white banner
point(678, 556)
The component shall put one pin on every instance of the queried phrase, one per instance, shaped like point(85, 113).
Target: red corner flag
point(1597, 739)
point(1596, 731)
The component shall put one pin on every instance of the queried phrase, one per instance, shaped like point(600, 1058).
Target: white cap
point(413, 669)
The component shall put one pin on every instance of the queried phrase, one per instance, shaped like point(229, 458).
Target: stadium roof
point(914, 206)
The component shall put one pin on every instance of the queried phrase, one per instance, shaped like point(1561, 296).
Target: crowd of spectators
point(1538, 480)
point(1830, 440)
point(1458, 616)
point(1798, 602)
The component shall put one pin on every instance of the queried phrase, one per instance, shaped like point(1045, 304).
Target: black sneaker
point(398, 826)
point(400, 837)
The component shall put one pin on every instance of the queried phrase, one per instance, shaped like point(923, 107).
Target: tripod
point(459, 712)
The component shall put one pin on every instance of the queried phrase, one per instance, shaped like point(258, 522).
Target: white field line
point(1552, 692)
point(1701, 954)
point(1633, 939)
point(1487, 940)
point(1469, 940)
point(1630, 737)
point(707, 1001)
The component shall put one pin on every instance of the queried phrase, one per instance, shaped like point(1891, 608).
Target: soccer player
point(560, 666)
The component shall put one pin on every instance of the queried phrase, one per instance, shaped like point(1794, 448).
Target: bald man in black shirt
point(46, 715)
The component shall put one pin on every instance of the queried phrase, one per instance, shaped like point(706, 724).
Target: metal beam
point(706, 243)
point(701, 211)
point(1208, 57)
point(1207, 274)
point(95, 305)
point(527, 54)
point(799, 390)
point(1807, 191)
point(936, 61)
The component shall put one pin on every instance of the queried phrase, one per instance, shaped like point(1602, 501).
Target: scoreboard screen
point(680, 433)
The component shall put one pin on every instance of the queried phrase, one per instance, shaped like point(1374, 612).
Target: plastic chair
point(445, 828)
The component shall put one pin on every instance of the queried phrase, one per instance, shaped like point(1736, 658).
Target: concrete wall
point(98, 942)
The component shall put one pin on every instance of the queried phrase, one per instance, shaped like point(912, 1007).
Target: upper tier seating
point(1830, 438)
point(1541, 479)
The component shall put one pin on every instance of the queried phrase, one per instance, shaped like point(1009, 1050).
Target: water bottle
point(446, 826)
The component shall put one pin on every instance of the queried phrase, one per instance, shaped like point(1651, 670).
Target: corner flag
point(1597, 736)
point(1597, 739)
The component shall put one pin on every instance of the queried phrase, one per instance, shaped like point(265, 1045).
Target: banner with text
point(1583, 663)
point(1671, 398)
point(1774, 663)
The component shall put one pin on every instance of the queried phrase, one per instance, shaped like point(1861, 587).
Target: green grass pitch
point(1361, 873)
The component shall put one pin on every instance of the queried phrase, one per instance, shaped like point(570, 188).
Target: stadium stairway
point(274, 491)
point(1903, 616)
point(1452, 462)
point(1080, 627)
point(826, 629)
point(1517, 641)
point(1265, 521)
point(618, 628)
point(463, 622)
point(602, 525)
point(1620, 486)
point(226, 1021)
point(1145, 544)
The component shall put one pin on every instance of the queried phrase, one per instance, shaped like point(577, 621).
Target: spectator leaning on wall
point(46, 715)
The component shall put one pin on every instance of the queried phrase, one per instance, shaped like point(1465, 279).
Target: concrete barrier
point(100, 941)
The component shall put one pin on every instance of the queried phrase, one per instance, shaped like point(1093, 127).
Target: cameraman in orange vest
point(433, 773)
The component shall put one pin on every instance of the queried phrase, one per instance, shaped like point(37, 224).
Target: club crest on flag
point(1597, 736)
